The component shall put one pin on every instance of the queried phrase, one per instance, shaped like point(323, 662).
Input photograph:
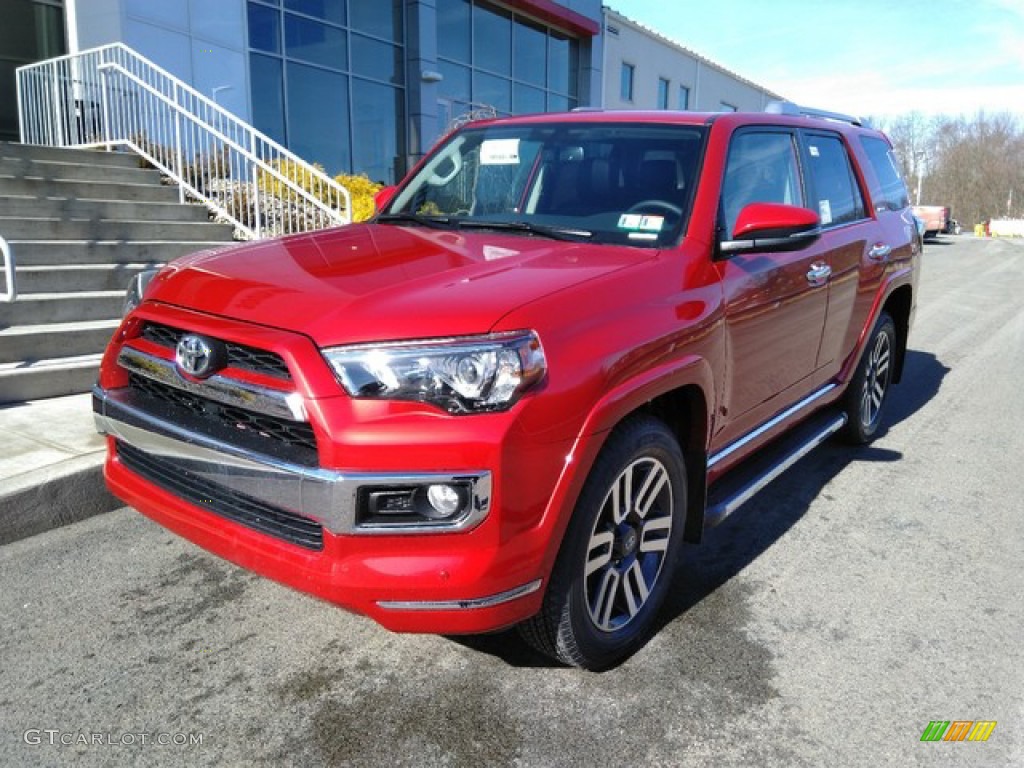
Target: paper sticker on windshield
point(814, 151)
point(637, 222)
point(825, 211)
point(499, 152)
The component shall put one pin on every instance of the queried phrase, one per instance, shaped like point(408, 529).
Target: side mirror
point(772, 228)
point(382, 197)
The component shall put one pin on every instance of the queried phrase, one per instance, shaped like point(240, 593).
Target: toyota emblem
point(196, 356)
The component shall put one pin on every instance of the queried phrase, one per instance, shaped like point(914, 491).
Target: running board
point(743, 482)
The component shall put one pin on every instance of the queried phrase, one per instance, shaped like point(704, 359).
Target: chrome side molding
point(773, 422)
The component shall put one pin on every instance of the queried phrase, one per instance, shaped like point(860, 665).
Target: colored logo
point(958, 730)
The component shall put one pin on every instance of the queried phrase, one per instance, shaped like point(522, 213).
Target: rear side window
point(762, 168)
point(837, 197)
point(892, 193)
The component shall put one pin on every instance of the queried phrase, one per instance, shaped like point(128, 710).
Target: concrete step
point(24, 343)
point(60, 154)
point(21, 228)
point(71, 208)
point(58, 252)
point(47, 378)
point(47, 169)
point(75, 277)
point(86, 190)
point(36, 308)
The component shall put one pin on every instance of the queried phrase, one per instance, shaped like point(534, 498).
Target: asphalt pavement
point(861, 596)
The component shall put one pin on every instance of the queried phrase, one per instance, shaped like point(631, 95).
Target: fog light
point(445, 501)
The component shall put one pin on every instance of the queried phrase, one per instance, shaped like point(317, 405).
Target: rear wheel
point(619, 551)
point(869, 388)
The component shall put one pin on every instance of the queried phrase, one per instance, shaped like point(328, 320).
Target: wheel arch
point(899, 306)
point(685, 411)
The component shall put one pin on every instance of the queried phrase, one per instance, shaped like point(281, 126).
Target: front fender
point(616, 404)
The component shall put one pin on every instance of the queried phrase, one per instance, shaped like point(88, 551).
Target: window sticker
point(637, 222)
point(825, 211)
point(814, 151)
point(499, 152)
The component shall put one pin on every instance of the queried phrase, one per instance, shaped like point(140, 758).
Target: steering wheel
point(662, 204)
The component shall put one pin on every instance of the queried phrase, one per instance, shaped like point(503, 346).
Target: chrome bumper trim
point(771, 423)
point(327, 496)
point(461, 605)
point(271, 402)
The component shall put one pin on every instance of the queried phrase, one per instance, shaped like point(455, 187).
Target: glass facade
point(328, 76)
point(328, 81)
point(31, 30)
point(492, 57)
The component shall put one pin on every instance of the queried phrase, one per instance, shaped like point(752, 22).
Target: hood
point(369, 282)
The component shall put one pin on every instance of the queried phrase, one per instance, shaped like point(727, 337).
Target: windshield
point(622, 183)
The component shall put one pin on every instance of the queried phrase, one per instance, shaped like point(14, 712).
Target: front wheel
point(619, 552)
point(870, 385)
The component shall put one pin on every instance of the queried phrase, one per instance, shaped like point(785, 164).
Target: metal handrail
point(11, 292)
point(111, 96)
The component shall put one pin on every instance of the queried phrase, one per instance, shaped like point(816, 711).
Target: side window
point(892, 194)
point(762, 168)
point(838, 199)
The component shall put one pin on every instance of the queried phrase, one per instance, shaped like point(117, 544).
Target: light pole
point(919, 162)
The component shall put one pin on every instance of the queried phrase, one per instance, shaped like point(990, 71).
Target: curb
point(54, 496)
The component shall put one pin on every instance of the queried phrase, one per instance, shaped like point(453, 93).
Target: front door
point(775, 303)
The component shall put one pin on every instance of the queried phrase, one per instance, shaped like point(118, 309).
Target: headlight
point(462, 375)
point(137, 290)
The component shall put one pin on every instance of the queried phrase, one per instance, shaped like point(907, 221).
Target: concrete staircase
point(80, 223)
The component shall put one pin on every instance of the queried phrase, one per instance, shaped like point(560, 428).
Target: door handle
point(819, 273)
point(879, 252)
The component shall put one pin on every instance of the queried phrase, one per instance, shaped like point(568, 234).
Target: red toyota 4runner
point(513, 395)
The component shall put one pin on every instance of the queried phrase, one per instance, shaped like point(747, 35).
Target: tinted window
point(837, 197)
point(621, 183)
point(762, 168)
point(313, 42)
point(892, 195)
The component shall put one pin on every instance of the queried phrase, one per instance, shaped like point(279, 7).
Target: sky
point(869, 58)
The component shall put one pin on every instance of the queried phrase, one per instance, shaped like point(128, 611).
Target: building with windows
point(645, 70)
point(367, 86)
point(356, 85)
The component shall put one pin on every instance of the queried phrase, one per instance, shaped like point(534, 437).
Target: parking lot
point(861, 596)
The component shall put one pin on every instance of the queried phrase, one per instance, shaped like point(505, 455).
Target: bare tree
point(974, 165)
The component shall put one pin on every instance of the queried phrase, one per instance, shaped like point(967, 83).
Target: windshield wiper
point(555, 233)
point(434, 222)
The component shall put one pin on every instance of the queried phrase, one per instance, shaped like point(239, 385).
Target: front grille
point(292, 441)
point(175, 478)
point(239, 355)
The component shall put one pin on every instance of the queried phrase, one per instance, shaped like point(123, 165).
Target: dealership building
point(367, 86)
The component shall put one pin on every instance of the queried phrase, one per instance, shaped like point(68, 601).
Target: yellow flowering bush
point(360, 187)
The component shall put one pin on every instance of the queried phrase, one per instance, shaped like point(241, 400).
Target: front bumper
point(326, 496)
point(473, 577)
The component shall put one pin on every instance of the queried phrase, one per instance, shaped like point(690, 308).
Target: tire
point(617, 560)
point(869, 388)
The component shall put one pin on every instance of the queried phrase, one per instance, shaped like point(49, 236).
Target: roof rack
point(789, 108)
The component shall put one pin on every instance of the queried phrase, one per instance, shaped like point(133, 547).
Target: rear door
point(849, 232)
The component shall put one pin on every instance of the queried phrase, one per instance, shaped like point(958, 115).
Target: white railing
point(10, 286)
point(111, 96)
